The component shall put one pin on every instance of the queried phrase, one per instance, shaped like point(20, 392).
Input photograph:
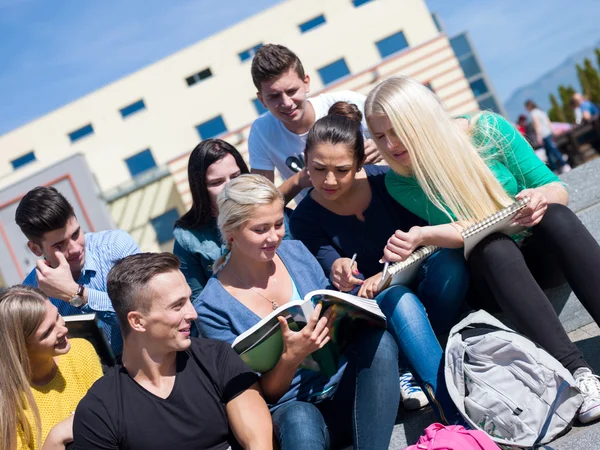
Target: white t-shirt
point(270, 143)
point(545, 128)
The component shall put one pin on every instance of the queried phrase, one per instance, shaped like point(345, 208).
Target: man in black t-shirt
point(170, 390)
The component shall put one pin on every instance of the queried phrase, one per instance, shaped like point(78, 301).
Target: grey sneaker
point(411, 393)
point(589, 385)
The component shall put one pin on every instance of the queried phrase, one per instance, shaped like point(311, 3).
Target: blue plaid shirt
point(102, 250)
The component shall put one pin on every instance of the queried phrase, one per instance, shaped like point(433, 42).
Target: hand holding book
point(402, 244)
point(534, 212)
point(297, 345)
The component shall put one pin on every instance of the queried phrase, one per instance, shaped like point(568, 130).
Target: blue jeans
point(553, 154)
point(414, 322)
point(363, 409)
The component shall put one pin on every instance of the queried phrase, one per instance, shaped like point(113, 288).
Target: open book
point(500, 222)
point(262, 345)
point(86, 326)
point(403, 272)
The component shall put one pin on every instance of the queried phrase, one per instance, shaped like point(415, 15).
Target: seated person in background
point(170, 390)
point(262, 272)
point(454, 171)
point(350, 211)
point(197, 241)
point(43, 374)
point(585, 110)
point(278, 136)
point(72, 268)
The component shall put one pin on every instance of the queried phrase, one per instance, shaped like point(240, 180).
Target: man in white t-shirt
point(277, 139)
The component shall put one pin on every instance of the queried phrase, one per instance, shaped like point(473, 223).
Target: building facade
point(136, 133)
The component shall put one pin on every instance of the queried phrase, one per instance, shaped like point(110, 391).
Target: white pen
point(352, 261)
point(385, 269)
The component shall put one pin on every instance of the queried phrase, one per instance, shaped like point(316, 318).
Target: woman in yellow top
point(43, 375)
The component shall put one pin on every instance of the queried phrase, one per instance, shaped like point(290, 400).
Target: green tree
point(583, 80)
point(565, 94)
point(556, 113)
point(593, 79)
point(597, 51)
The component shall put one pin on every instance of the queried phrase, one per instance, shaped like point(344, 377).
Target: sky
point(53, 52)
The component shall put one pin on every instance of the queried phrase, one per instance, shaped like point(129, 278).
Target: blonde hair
point(450, 169)
point(22, 310)
point(237, 202)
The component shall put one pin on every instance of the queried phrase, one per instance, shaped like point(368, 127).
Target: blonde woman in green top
point(452, 171)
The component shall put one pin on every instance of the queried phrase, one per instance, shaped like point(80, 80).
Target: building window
point(312, 23)
point(358, 3)
point(198, 77)
point(460, 45)
point(470, 66)
point(391, 44)
point(140, 162)
point(211, 128)
point(163, 225)
point(249, 53)
point(23, 160)
point(479, 87)
point(260, 109)
point(81, 132)
point(334, 71)
point(132, 109)
point(489, 104)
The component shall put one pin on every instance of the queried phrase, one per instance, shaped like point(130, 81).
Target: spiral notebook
point(500, 222)
point(404, 272)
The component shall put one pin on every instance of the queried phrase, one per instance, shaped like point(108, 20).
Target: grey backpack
point(504, 384)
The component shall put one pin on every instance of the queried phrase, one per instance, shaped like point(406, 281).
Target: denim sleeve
point(192, 269)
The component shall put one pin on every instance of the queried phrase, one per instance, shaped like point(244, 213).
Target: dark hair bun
point(347, 110)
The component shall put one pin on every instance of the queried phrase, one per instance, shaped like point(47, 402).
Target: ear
point(136, 321)
point(260, 98)
point(307, 83)
point(35, 248)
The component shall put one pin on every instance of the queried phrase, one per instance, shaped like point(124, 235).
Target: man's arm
point(250, 419)
point(290, 187)
point(268, 174)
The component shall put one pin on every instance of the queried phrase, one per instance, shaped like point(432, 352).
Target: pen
point(352, 261)
point(385, 269)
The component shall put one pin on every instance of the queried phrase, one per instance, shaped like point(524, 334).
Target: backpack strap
point(564, 385)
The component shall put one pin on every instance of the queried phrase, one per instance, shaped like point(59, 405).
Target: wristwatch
point(77, 300)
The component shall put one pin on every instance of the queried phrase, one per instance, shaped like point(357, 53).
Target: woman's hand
point(533, 213)
point(370, 287)
point(60, 435)
point(342, 275)
point(297, 345)
point(401, 245)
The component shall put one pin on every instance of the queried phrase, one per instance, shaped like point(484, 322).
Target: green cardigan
point(515, 166)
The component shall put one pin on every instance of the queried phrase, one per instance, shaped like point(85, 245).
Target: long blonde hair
point(237, 202)
point(22, 310)
point(449, 168)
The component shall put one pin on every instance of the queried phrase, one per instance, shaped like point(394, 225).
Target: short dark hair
point(202, 157)
point(41, 210)
point(342, 125)
point(530, 103)
point(127, 280)
point(272, 61)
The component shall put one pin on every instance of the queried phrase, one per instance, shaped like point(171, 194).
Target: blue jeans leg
point(441, 286)
point(554, 155)
point(409, 325)
point(300, 426)
point(369, 389)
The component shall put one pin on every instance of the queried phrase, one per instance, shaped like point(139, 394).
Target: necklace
point(273, 303)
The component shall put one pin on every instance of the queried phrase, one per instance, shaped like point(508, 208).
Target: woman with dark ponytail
point(349, 211)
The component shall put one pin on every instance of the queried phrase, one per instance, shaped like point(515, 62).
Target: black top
point(330, 236)
point(118, 413)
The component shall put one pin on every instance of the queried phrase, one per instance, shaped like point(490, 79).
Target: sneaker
point(564, 169)
point(411, 393)
point(589, 385)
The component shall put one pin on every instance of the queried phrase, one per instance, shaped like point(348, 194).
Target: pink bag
point(453, 437)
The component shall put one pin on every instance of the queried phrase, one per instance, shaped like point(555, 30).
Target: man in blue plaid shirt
point(73, 266)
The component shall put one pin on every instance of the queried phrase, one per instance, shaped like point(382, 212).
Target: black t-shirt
point(118, 413)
